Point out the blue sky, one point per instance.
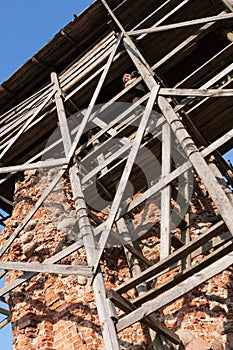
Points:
(25, 27)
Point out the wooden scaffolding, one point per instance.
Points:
(183, 52)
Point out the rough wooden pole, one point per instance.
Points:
(216, 192)
(185, 232)
(86, 232)
(141, 288)
(165, 226)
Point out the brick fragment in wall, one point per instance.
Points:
(54, 311)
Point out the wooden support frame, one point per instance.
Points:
(126, 173)
(181, 24)
(50, 95)
(174, 10)
(86, 232)
(177, 291)
(185, 140)
(64, 82)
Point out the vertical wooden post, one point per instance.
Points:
(165, 226)
(185, 233)
(102, 303)
(134, 267)
(198, 162)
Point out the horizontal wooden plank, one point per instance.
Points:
(181, 24)
(196, 92)
(48, 268)
(38, 165)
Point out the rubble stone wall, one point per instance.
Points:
(56, 312)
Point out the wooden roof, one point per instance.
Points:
(185, 57)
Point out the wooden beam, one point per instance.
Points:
(48, 268)
(205, 64)
(93, 100)
(193, 269)
(170, 260)
(135, 268)
(148, 321)
(210, 82)
(27, 276)
(201, 167)
(28, 217)
(198, 162)
(29, 166)
(24, 127)
(163, 182)
(5, 312)
(228, 4)
(181, 24)
(75, 246)
(118, 153)
(126, 173)
(169, 14)
(85, 228)
(90, 61)
(126, 241)
(3, 323)
(165, 224)
(196, 92)
(191, 39)
(25, 104)
(124, 122)
(176, 292)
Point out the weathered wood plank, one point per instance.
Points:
(161, 20)
(93, 100)
(181, 24)
(196, 92)
(173, 258)
(228, 4)
(5, 322)
(210, 82)
(176, 292)
(38, 204)
(48, 268)
(149, 321)
(127, 170)
(38, 165)
(201, 167)
(5, 312)
(165, 225)
(24, 127)
(199, 266)
(205, 64)
(198, 34)
(198, 162)
(85, 228)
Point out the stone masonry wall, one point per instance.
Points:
(56, 312)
